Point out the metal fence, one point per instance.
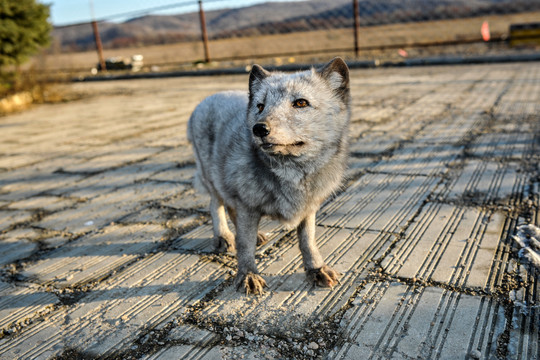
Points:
(235, 32)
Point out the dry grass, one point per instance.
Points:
(335, 41)
(20, 89)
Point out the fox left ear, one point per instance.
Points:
(336, 73)
(256, 76)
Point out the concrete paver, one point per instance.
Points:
(15, 249)
(106, 248)
(452, 245)
(484, 182)
(383, 202)
(92, 257)
(393, 320)
(20, 303)
(9, 219)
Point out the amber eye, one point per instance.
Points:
(260, 107)
(300, 103)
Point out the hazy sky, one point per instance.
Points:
(65, 12)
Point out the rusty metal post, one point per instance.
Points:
(99, 47)
(204, 34)
(356, 26)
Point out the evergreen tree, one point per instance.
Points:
(24, 28)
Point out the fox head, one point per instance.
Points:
(299, 114)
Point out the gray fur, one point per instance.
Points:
(285, 175)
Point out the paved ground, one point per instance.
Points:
(106, 251)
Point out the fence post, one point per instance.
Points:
(356, 25)
(99, 47)
(203, 33)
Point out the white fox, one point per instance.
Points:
(279, 151)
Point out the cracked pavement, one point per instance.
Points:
(106, 248)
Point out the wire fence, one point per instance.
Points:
(235, 32)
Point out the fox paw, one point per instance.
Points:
(323, 277)
(224, 244)
(261, 239)
(250, 283)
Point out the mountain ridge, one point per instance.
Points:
(275, 17)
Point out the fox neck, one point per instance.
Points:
(297, 168)
(287, 168)
(318, 176)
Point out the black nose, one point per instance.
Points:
(261, 130)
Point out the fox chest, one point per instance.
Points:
(283, 193)
(286, 202)
(286, 206)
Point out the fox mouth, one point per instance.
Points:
(293, 149)
(271, 146)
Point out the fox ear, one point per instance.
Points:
(336, 73)
(256, 76)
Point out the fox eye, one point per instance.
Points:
(260, 107)
(300, 103)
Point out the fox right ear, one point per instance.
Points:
(336, 73)
(256, 76)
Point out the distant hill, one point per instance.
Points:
(277, 17)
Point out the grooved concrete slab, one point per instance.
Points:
(514, 146)
(451, 130)
(109, 207)
(106, 249)
(484, 182)
(14, 248)
(94, 256)
(20, 303)
(375, 143)
(108, 181)
(146, 295)
(21, 184)
(112, 160)
(44, 202)
(525, 331)
(10, 218)
(453, 245)
(379, 202)
(397, 321)
(419, 159)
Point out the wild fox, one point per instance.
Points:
(280, 151)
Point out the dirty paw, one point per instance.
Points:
(224, 244)
(261, 239)
(250, 283)
(323, 277)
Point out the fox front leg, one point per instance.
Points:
(261, 238)
(317, 271)
(247, 277)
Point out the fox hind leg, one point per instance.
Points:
(223, 237)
